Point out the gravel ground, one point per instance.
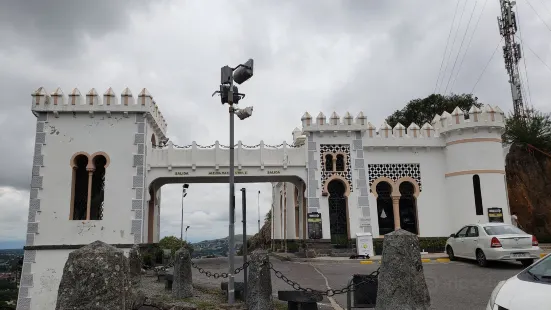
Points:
(205, 297)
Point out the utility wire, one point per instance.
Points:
(460, 46)
(545, 6)
(535, 54)
(524, 59)
(546, 25)
(486, 66)
(446, 49)
(453, 43)
(468, 45)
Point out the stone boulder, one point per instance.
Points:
(182, 285)
(402, 284)
(135, 264)
(259, 285)
(95, 277)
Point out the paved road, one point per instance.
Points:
(455, 285)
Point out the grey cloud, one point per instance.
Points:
(312, 55)
(57, 28)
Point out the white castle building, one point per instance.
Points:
(98, 169)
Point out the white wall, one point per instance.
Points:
(432, 211)
(66, 136)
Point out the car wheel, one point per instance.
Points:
(449, 251)
(481, 258)
(527, 262)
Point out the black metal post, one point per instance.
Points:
(244, 211)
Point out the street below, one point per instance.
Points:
(454, 285)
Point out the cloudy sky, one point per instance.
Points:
(310, 55)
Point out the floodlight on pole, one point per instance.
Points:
(243, 72)
(230, 94)
(244, 113)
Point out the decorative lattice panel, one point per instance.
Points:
(335, 149)
(394, 172)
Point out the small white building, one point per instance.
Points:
(100, 161)
(429, 180)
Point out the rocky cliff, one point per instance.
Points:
(529, 189)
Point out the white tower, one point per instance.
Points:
(87, 181)
(475, 176)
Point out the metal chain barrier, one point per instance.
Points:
(295, 285)
(330, 292)
(217, 275)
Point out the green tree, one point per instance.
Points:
(421, 111)
(174, 244)
(534, 129)
(268, 217)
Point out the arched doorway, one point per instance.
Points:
(408, 208)
(385, 214)
(338, 215)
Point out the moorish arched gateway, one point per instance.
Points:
(98, 169)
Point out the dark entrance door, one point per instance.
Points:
(408, 208)
(385, 214)
(338, 222)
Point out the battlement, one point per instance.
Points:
(487, 116)
(92, 103)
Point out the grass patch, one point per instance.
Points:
(279, 305)
(206, 305)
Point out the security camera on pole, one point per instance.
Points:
(230, 94)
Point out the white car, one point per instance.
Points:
(493, 242)
(529, 289)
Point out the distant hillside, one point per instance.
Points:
(216, 247)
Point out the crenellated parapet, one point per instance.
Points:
(91, 103)
(485, 117)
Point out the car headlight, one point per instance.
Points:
(493, 296)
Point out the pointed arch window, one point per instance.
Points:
(88, 186)
(339, 163)
(477, 195)
(328, 162)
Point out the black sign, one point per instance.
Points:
(495, 215)
(314, 225)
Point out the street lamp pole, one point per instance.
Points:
(229, 94)
(184, 194)
(231, 241)
(258, 205)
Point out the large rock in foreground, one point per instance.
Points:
(402, 283)
(95, 277)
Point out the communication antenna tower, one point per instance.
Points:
(511, 53)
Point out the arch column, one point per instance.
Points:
(89, 196)
(396, 211)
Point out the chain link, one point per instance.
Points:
(330, 292)
(295, 285)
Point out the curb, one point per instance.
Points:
(424, 260)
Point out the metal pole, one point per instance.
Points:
(258, 201)
(231, 237)
(244, 211)
(182, 218)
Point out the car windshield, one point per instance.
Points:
(542, 269)
(503, 230)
